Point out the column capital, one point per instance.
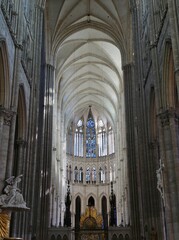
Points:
(50, 66)
(127, 66)
(7, 115)
(167, 115)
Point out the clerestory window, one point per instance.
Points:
(78, 139)
(90, 137)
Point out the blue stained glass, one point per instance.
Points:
(90, 136)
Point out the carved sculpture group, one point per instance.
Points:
(12, 197)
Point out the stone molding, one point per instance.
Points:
(157, 35)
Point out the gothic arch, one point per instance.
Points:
(121, 237)
(91, 201)
(127, 237)
(4, 76)
(65, 237)
(59, 237)
(104, 211)
(52, 237)
(21, 115)
(114, 237)
(20, 133)
(77, 211)
(169, 88)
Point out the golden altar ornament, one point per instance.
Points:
(4, 223)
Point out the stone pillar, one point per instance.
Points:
(21, 145)
(170, 157)
(1, 125)
(5, 123)
(129, 89)
(15, 87)
(34, 156)
(174, 29)
(158, 221)
(46, 158)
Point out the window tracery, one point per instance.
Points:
(90, 137)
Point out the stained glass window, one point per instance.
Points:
(102, 139)
(78, 139)
(90, 137)
(93, 177)
(111, 140)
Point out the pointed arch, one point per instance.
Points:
(104, 211)
(91, 201)
(4, 76)
(65, 237)
(169, 87)
(59, 237)
(52, 237)
(20, 133)
(114, 237)
(21, 115)
(78, 211)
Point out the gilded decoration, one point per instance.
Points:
(4, 223)
(91, 220)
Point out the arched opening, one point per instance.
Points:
(121, 237)
(169, 86)
(4, 77)
(2, 83)
(91, 202)
(53, 237)
(171, 83)
(65, 237)
(104, 212)
(78, 212)
(59, 237)
(127, 237)
(20, 134)
(114, 237)
(19, 149)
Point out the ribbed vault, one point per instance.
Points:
(89, 39)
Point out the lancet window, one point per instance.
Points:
(90, 137)
(111, 140)
(78, 139)
(102, 139)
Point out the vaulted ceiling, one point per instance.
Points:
(89, 40)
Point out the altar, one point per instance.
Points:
(91, 226)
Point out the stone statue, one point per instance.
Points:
(12, 197)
